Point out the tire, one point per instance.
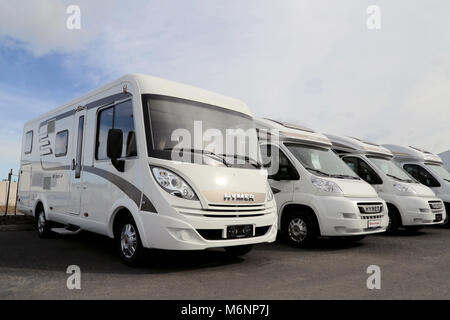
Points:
(238, 251)
(394, 220)
(128, 242)
(355, 238)
(43, 226)
(413, 228)
(299, 229)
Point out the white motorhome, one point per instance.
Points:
(316, 192)
(427, 168)
(411, 204)
(104, 163)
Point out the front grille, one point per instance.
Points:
(371, 216)
(370, 207)
(217, 234)
(232, 215)
(235, 207)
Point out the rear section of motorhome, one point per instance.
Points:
(103, 163)
(425, 167)
(411, 204)
(316, 192)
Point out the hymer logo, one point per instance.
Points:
(238, 197)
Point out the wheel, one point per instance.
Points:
(237, 251)
(128, 242)
(299, 229)
(413, 228)
(42, 225)
(355, 238)
(394, 220)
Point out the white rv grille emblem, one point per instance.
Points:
(238, 197)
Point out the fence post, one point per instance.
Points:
(7, 193)
(17, 193)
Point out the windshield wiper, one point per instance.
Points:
(253, 162)
(210, 154)
(344, 176)
(400, 179)
(318, 171)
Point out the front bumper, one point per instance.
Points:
(341, 216)
(184, 231)
(416, 211)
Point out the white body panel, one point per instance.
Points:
(92, 199)
(337, 214)
(414, 207)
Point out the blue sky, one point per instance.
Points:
(311, 62)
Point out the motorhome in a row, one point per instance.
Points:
(114, 162)
(317, 194)
(411, 205)
(103, 163)
(427, 168)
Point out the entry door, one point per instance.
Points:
(282, 174)
(76, 177)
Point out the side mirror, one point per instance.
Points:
(114, 148)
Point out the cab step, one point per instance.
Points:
(68, 229)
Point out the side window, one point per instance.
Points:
(363, 170)
(421, 175)
(120, 117)
(28, 142)
(61, 142)
(280, 168)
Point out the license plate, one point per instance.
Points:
(373, 224)
(241, 231)
(438, 217)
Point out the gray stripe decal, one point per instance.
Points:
(94, 104)
(129, 189)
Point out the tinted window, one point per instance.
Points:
(28, 142)
(421, 175)
(118, 117)
(279, 168)
(61, 141)
(363, 170)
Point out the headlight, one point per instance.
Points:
(173, 184)
(325, 185)
(403, 188)
(269, 195)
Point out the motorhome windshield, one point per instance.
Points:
(439, 171)
(391, 169)
(207, 127)
(321, 161)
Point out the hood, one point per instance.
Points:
(422, 190)
(224, 185)
(356, 188)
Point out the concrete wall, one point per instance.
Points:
(4, 190)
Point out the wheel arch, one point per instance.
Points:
(293, 208)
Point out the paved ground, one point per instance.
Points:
(412, 266)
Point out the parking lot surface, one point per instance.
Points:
(413, 266)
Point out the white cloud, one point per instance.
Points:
(312, 62)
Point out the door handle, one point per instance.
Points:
(73, 165)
